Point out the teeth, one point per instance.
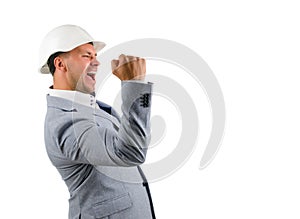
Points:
(92, 73)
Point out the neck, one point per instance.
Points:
(59, 82)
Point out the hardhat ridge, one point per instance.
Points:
(63, 39)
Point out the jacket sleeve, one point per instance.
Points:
(86, 141)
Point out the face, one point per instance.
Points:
(81, 68)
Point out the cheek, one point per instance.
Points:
(77, 68)
(82, 68)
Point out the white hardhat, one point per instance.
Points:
(63, 39)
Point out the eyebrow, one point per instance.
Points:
(89, 53)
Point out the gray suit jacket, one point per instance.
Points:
(97, 154)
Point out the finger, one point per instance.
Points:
(143, 65)
(131, 58)
(126, 58)
(122, 56)
(114, 64)
(141, 61)
(122, 59)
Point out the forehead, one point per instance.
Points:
(85, 48)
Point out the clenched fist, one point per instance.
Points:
(129, 67)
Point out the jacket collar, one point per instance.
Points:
(104, 110)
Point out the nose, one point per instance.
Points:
(95, 62)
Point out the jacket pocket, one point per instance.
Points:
(112, 206)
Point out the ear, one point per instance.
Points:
(59, 63)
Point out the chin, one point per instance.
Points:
(86, 90)
(91, 90)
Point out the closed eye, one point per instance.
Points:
(89, 55)
(86, 56)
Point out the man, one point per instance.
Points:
(96, 152)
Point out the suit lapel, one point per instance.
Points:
(108, 113)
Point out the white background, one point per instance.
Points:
(253, 47)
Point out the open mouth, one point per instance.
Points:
(92, 75)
